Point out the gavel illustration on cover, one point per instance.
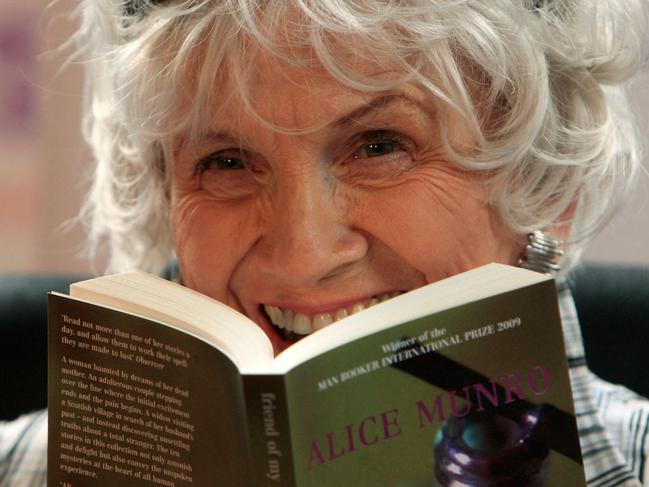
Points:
(493, 446)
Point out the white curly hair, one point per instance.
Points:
(562, 140)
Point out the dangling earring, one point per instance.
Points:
(542, 253)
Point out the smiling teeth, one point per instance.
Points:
(302, 324)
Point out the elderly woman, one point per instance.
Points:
(310, 155)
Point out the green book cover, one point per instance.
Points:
(470, 394)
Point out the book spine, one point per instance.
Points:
(269, 434)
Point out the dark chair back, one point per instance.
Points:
(23, 341)
(613, 306)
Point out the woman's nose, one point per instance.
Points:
(309, 237)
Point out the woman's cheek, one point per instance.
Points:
(194, 242)
(434, 218)
(212, 237)
(185, 211)
(427, 196)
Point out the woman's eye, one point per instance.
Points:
(220, 162)
(229, 163)
(231, 173)
(379, 143)
(378, 156)
(378, 148)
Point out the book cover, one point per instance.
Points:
(477, 394)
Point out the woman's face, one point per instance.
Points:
(302, 229)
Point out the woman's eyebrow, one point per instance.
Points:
(376, 105)
(218, 136)
(187, 142)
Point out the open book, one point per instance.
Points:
(463, 380)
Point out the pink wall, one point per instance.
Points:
(42, 158)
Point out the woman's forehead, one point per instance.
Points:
(298, 98)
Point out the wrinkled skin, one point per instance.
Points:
(366, 202)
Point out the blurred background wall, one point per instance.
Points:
(43, 162)
(44, 166)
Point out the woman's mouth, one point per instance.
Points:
(293, 324)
